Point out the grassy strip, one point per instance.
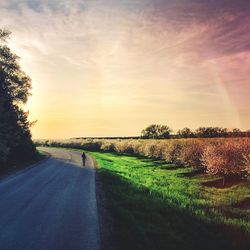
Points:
(39, 157)
(156, 206)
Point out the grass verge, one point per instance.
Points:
(156, 205)
(11, 169)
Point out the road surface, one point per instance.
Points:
(51, 206)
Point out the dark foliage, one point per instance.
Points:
(15, 138)
(156, 131)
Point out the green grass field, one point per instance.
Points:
(156, 205)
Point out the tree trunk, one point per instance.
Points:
(223, 181)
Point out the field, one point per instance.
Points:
(227, 157)
(174, 194)
(156, 205)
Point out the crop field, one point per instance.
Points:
(181, 193)
(157, 205)
(226, 157)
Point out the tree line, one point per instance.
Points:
(156, 131)
(15, 137)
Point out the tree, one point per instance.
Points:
(235, 132)
(16, 144)
(156, 131)
(186, 133)
(228, 158)
(210, 132)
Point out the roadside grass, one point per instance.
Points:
(156, 205)
(39, 156)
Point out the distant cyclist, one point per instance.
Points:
(83, 158)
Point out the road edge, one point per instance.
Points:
(26, 168)
(104, 217)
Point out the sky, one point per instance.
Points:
(112, 67)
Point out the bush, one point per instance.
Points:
(192, 151)
(171, 151)
(222, 156)
(227, 158)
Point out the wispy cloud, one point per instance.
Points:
(160, 61)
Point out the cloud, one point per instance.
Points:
(139, 56)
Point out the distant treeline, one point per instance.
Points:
(211, 132)
(108, 137)
(156, 131)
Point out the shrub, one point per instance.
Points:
(171, 151)
(227, 158)
(223, 156)
(191, 153)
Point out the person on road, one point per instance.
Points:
(83, 158)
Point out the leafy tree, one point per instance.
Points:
(156, 131)
(228, 158)
(15, 138)
(236, 132)
(186, 133)
(210, 132)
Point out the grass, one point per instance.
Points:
(38, 157)
(156, 205)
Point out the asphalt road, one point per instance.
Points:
(50, 206)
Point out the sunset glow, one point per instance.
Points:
(110, 68)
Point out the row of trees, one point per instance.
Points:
(15, 138)
(226, 157)
(156, 131)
